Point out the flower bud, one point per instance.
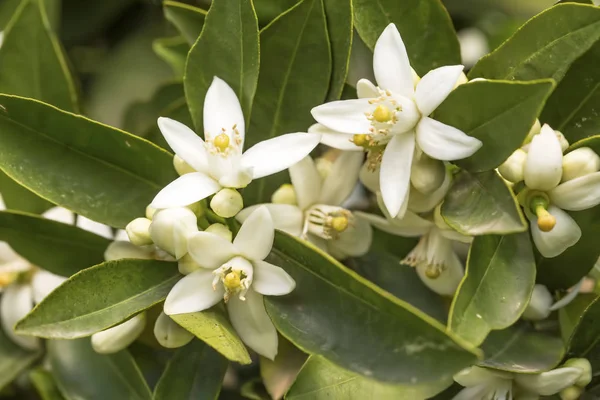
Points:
(284, 195)
(564, 143)
(324, 166)
(120, 336)
(169, 334)
(571, 393)
(586, 370)
(534, 130)
(462, 79)
(539, 304)
(473, 45)
(150, 211)
(181, 166)
(580, 162)
(187, 265)
(138, 231)
(221, 230)
(427, 174)
(512, 169)
(120, 249)
(170, 229)
(227, 203)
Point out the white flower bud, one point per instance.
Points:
(150, 211)
(586, 370)
(539, 304)
(119, 337)
(138, 231)
(221, 230)
(427, 174)
(169, 334)
(473, 45)
(227, 203)
(170, 229)
(122, 249)
(513, 168)
(462, 79)
(535, 129)
(564, 143)
(324, 165)
(571, 393)
(284, 195)
(181, 166)
(187, 265)
(580, 162)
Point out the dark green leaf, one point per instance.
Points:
(45, 385)
(195, 372)
(16, 197)
(425, 27)
(482, 204)
(341, 316)
(100, 297)
(268, 10)
(81, 373)
(254, 390)
(499, 113)
(231, 54)
(13, 359)
(100, 172)
(570, 315)
(584, 340)
(340, 29)
(213, 327)
(187, 19)
(7, 9)
(495, 291)
(173, 51)
(545, 47)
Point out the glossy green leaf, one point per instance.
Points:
(213, 327)
(16, 197)
(425, 27)
(100, 297)
(279, 374)
(59, 248)
(13, 359)
(496, 288)
(335, 313)
(254, 390)
(195, 372)
(584, 340)
(81, 373)
(7, 9)
(499, 113)
(189, 20)
(231, 54)
(570, 315)
(100, 172)
(545, 47)
(320, 379)
(268, 10)
(45, 384)
(295, 73)
(521, 349)
(340, 29)
(482, 204)
(173, 51)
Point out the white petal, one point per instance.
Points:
(448, 281)
(411, 225)
(185, 143)
(365, 89)
(550, 382)
(345, 116)
(222, 110)
(286, 217)
(435, 86)
(565, 234)
(394, 176)
(185, 190)
(543, 168)
(193, 293)
(369, 178)
(44, 282)
(353, 242)
(94, 227)
(342, 178)
(169, 334)
(306, 181)
(390, 63)
(254, 240)
(274, 155)
(210, 250)
(60, 214)
(16, 302)
(577, 194)
(569, 297)
(334, 139)
(253, 325)
(120, 336)
(444, 142)
(271, 280)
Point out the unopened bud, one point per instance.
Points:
(586, 370)
(227, 203)
(187, 265)
(169, 334)
(170, 229)
(119, 337)
(138, 231)
(181, 166)
(580, 162)
(150, 211)
(539, 304)
(462, 79)
(564, 143)
(571, 393)
(427, 174)
(221, 230)
(512, 169)
(284, 195)
(535, 129)
(120, 249)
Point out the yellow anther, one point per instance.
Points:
(361, 140)
(339, 224)
(221, 142)
(546, 221)
(382, 114)
(232, 280)
(7, 278)
(432, 273)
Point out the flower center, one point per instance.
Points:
(236, 277)
(361, 140)
(233, 280)
(221, 142)
(433, 251)
(545, 221)
(225, 142)
(382, 114)
(327, 222)
(339, 224)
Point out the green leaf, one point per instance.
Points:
(13, 359)
(213, 327)
(499, 113)
(187, 19)
(340, 29)
(574, 106)
(45, 385)
(59, 248)
(81, 373)
(496, 288)
(195, 372)
(16, 197)
(173, 51)
(100, 297)
(482, 204)
(94, 170)
(268, 10)
(570, 315)
(335, 313)
(520, 349)
(294, 77)
(545, 47)
(425, 26)
(584, 340)
(319, 379)
(231, 54)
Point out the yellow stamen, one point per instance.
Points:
(7, 278)
(361, 140)
(232, 280)
(382, 114)
(546, 221)
(221, 142)
(339, 224)
(432, 273)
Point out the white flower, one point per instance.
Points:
(542, 304)
(170, 229)
(317, 215)
(218, 161)
(237, 273)
(118, 337)
(388, 120)
(473, 45)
